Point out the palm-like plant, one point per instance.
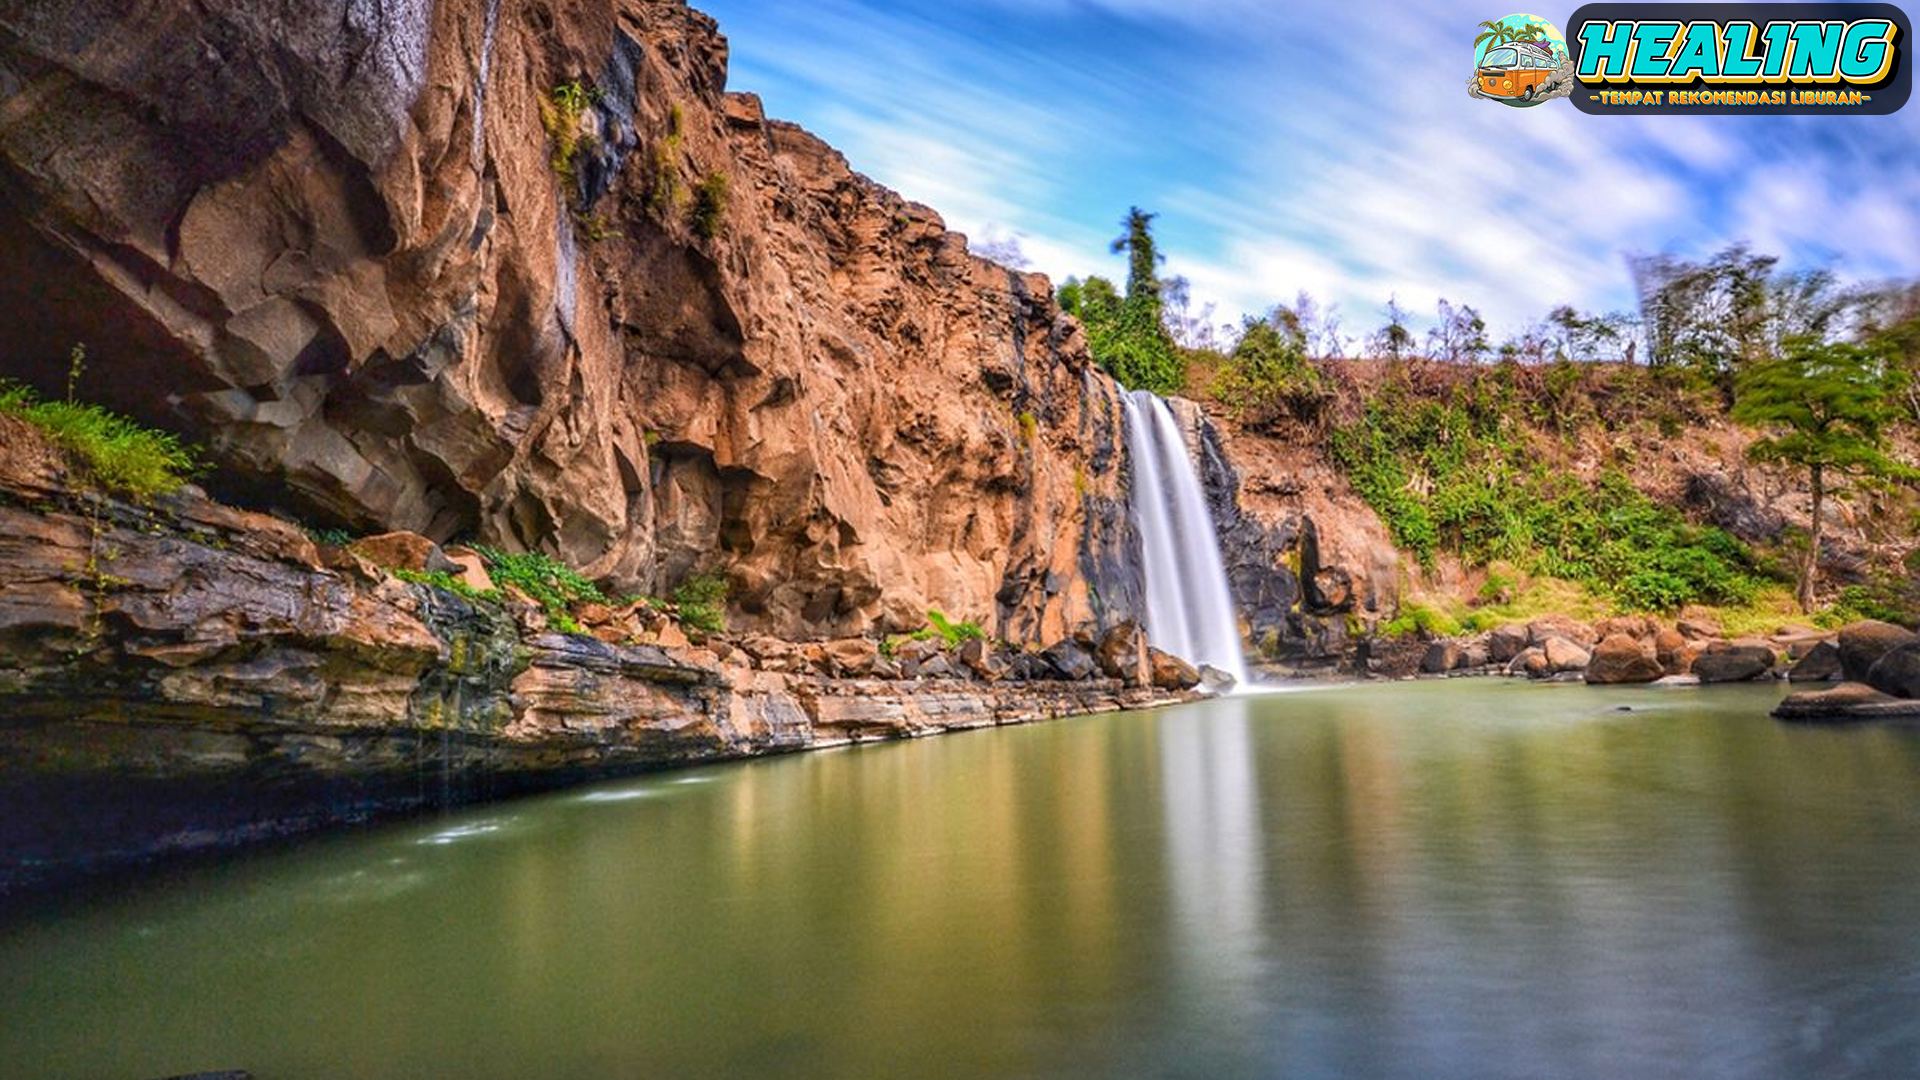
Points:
(1498, 33)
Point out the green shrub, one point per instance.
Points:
(119, 454)
(1418, 618)
(440, 579)
(560, 114)
(1456, 476)
(710, 197)
(1267, 376)
(949, 633)
(546, 581)
(701, 601)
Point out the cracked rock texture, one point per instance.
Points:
(328, 241)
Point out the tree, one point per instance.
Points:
(1830, 404)
(1460, 335)
(1130, 338)
(1393, 340)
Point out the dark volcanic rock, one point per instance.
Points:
(1850, 702)
(1723, 662)
(1072, 660)
(1442, 657)
(1897, 672)
(1863, 643)
(1820, 664)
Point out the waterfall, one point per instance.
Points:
(1189, 609)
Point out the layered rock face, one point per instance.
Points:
(340, 245)
(183, 675)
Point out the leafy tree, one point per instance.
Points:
(1267, 375)
(1393, 340)
(1128, 334)
(1460, 335)
(1831, 404)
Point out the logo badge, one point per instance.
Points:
(1521, 60)
(1732, 58)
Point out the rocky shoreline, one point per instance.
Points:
(184, 676)
(1867, 670)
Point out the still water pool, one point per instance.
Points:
(1474, 879)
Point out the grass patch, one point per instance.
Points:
(701, 602)
(560, 113)
(440, 579)
(710, 198)
(121, 455)
(552, 584)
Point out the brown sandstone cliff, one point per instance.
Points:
(330, 243)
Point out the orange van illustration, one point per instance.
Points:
(1518, 69)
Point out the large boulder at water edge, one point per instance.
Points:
(1215, 681)
(1442, 657)
(1506, 642)
(1169, 672)
(1863, 643)
(1122, 654)
(1898, 672)
(1725, 662)
(1850, 702)
(979, 657)
(1622, 659)
(1564, 656)
(1821, 664)
(853, 658)
(1072, 660)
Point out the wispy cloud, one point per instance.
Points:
(1329, 147)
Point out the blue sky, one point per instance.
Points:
(1322, 146)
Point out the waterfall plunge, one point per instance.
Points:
(1189, 609)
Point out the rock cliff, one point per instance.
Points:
(528, 274)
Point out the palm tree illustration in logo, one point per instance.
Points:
(1520, 60)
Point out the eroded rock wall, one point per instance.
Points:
(329, 242)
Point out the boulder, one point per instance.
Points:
(1670, 649)
(936, 666)
(1122, 654)
(1442, 657)
(1724, 662)
(1898, 672)
(978, 656)
(470, 568)
(1563, 655)
(1394, 658)
(1820, 664)
(1850, 702)
(1532, 662)
(1475, 655)
(915, 650)
(1698, 627)
(1863, 643)
(1620, 658)
(1540, 630)
(1637, 627)
(403, 551)
(1506, 642)
(1072, 660)
(1215, 681)
(1028, 667)
(1169, 672)
(851, 658)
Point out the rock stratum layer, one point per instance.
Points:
(527, 273)
(186, 676)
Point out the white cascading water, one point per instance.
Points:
(1189, 608)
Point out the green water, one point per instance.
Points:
(1467, 879)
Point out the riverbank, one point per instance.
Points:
(181, 676)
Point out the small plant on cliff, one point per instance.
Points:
(710, 198)
(667, 191)
(440, 579)
(546, 581)
(560, 113)
(119, 454)
(950, 634)
(701, 601)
